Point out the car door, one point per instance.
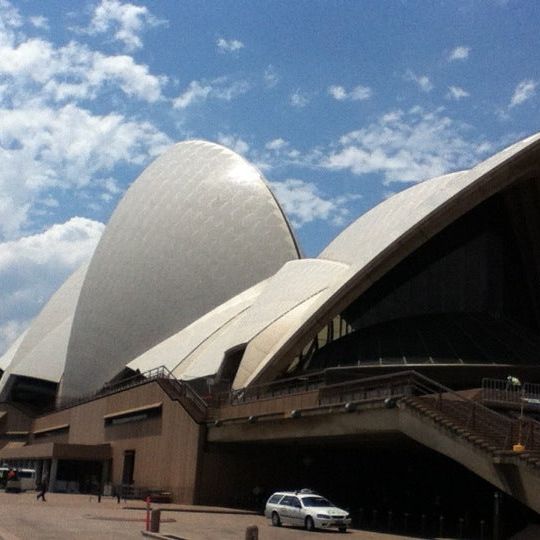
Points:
(297, 515)
(286, 510)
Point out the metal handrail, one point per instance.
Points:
(138, 379)
(503, 390)
(184, 389)
(282, 387)
(498, 428)
(415, 384)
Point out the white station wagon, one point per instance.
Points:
(305, 509)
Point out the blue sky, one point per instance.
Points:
(339, 103)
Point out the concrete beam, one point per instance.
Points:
(512, 477)
(335, 424)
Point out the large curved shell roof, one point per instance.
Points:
(384, 236)
(197, 227)
(40, 352)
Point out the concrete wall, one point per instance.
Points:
(15, 420)
(166, 446)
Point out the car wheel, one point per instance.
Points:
(343, 529)
(276, 522)
(310, 525)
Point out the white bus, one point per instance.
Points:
(25, 480)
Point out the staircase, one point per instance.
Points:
(480, 438)
(186, 396)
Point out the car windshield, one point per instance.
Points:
(316, 501)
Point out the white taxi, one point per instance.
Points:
(305, 509)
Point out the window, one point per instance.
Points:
(51, 432)
(133, 415)
(316, 501)
(274, 499)
(129, 467)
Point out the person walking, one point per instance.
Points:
(43, 489)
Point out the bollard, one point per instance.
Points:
(423, 524)
(441, 525)
(154, 521)
(482, 529)
(497, 516)
(461, 523)
(390, 515)
(252, 533)
(406, 521)
(147, 500)
(374, 519)
(360, 517)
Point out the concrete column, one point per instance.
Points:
(52, 474)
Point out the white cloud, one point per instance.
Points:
(271, 77)
(234, 143)
(33, 267)
(423, 81)
(10, 21)
(358, 93)
(229, 91)
(45, 148)
(337, 92)
(40, 22)
(303, 203)
(193, 93)
(125, 20)
(298, 99)
(48, 141)
(456, 93)
(524, 90)
(276, 144)
(221, 88)
(459, 53)
(406, 146)
(228, 45)
(73, 72)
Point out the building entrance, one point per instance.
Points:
(393, 485)
(79, 476)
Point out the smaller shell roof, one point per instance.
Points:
(199, 350)
(288, 294)
(287, 291)
(7, 357)
(174, 351)
(41, 351)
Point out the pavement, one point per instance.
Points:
(67, 517)
(81, 517)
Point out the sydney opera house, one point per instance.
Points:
(200, 355)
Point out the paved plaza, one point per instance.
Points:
(81, 517)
